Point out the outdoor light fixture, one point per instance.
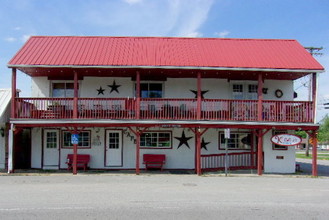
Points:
(2, 132)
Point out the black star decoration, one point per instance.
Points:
(196, 93)
(183, 140)
(114, 87)
(204, 144)
(100, 91)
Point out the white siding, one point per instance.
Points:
(36, 147)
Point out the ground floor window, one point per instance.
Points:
(84, 139)
(156, 140)
(279, 147)
(237, 141)
(51, 139)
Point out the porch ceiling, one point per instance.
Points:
(157, 73)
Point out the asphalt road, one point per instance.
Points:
(306, 166)
(126, 196)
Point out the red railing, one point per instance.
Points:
(288, 111)
(236, 161)
(164, 109)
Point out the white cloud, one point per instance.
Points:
(131, 2)
(10, 39)
(194, 34)
(222, 34)
(17, 28)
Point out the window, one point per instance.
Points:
(51, 139)
(114, 140)
(84, 139)
(252, 92)
(237, 141)
(279, 147)
(156, 140)
(237, 91)
(151, 90)
(63, 89)
(245, 91)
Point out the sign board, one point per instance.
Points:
(227, 133)
(74, 139)
(286, 139)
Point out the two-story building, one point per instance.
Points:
(130, 96)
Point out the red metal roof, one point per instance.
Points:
(164, 52)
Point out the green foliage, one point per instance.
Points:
(301, 134)
(323, 135)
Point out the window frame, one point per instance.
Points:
(220, 133)
(148, 83)
(275, 146)
(245, 94)
(150, 147)
(65, 82)
(79, 147)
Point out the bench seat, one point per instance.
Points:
(154, 161)
(82, 161)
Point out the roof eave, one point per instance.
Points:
(172, 67)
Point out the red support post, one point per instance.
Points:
(260, 98)
(75, 99)
(138, 93)
(314, 83)
(314, 155)
(198, 151)
(260, 153)
(13, 93)
(252, 149)
(199, 104)
(138, 134)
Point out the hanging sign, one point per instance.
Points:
(74, 139)
(286, 139)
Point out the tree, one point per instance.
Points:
(323, 135)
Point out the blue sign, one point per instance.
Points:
(74, 139)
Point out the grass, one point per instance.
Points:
(321, 156)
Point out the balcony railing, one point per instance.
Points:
(164, 109)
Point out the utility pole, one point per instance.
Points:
(314, 51)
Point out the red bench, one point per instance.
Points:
(82, 161)
(154, 161)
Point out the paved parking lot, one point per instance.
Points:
(162, 196)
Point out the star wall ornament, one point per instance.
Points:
(204, 144)
(183, 140)
(202, 93)
(114, 87)
(100, 91)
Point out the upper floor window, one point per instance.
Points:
(151, 90)
(62, 89)
(245, 91)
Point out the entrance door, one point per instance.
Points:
(51, 149)
(113, 148)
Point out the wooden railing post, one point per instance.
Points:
(260, 98)
(138, 93)
(75, 99)
(314, 93)
(13, 93)
(199, 100)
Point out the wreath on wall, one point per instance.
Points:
(278, 93)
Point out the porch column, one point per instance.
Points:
(260, 153)
(11, 149)
(138, 92)
(138, 135)
(75, 99)
(199, 104)
(13, 93)
(198, 150)
(314, 154)
(75, 155)
(314, 93)
(260, 98)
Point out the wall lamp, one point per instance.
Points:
(2, 132)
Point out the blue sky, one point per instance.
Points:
(304, 20)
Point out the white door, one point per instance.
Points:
(51, 149)
(113, 148)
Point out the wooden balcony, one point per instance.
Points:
(163, 109)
